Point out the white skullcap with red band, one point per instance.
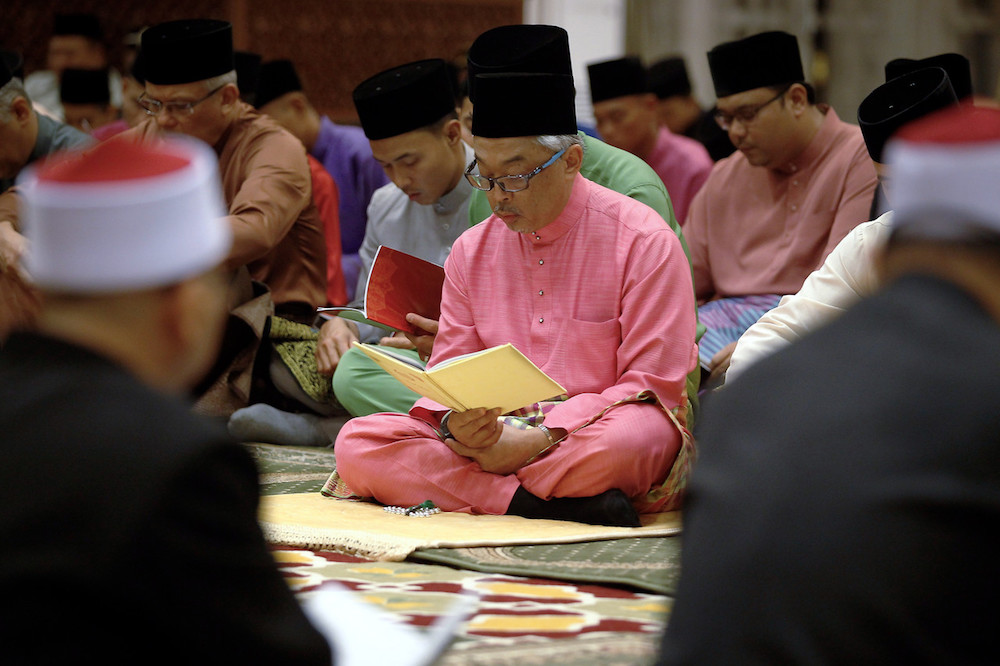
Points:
(124, 216)
(945, 177)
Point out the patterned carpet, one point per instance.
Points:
(517, 619)
(587, 604)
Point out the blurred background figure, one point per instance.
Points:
(247, 74)
(25, 136)
(342, 149)
(680, 112)
(626, 114)
(86, 99)
(326, 193)
(77, 42)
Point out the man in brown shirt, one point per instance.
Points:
(191, 89)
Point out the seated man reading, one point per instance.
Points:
(595, 290)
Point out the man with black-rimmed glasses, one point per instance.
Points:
(277, 234)
(768, 215)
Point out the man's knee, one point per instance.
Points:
(367, 438)
(633, 450)
(350, 446)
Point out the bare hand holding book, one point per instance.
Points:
(398, 284)
(496, 377)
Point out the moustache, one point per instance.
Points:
(507, 209)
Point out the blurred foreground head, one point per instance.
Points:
(124, 242)
(945, 172)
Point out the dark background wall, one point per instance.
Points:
(335, 44)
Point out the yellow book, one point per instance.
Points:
(496, 377)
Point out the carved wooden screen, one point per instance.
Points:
(335, 43)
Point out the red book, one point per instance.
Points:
(398, 283)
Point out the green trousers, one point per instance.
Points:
(363, 388)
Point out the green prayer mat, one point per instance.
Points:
(651, 564)
(285, 470)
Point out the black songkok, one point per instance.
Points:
(616, 78)
(404, 98)
(669, 78)
(5, 74)
(83, 25)
(900, 101)
(247, 72)
(759, 61)
(517, 104)
(276, 78)
(533, 49)
(85, 86)
(186, 51)
(11, 64)
(957, 66)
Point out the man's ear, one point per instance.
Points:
(798, 97)
(297, 100)
(22, 110)
(230, 94)
(452, 131)
(173, 314)
(185, 308)
(574, 159)
(650, 101)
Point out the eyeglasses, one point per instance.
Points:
(152, 107)
(507, 183)
(744, 114)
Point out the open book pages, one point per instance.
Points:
(354, 314)
(360, 634)
(500, 376)
(398, 283)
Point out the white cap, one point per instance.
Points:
(124, 216)
(945, 174)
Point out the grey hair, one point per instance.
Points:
(558, 142)
(9, 92)
(220, 80)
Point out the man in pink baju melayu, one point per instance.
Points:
(595, 290)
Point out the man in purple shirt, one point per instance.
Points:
(342, 149)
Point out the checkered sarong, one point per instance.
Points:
(726, 319)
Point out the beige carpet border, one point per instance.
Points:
(313, 521)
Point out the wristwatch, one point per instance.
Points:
(445, 433)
